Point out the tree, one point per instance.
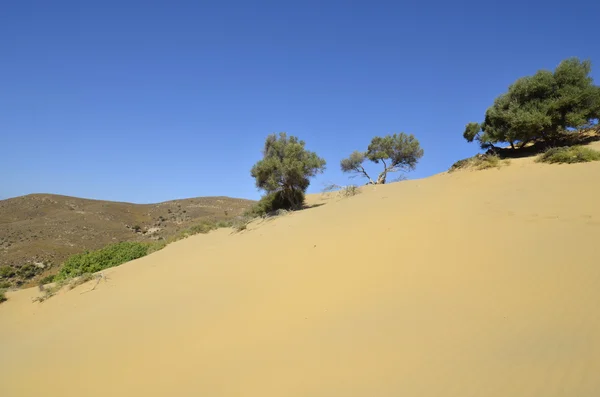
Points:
(398, 152)
(540, 107)
(286, 168)
(354, 164)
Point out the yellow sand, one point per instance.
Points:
(483, 283)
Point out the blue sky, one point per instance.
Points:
(146, 101)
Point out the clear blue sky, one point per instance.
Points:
(146, 101)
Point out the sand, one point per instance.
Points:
(483, 283)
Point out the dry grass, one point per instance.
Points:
(479, 162)
(569, 155)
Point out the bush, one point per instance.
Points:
(345, 191)
(27, 271)
(47, 280)
(270, 203)
(479, 162)
(223, 224)
(350, 190)
(201, 228)
(3, 297)
(7, 272)
(569, 155)
(94, 261)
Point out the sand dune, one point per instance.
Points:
(479, 283)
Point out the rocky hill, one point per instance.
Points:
(44, 229)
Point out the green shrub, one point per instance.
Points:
(7, 272)
(272, 202)
(5, 284)
(203, 228)
(569, 155)
(3, 297)
(224, 224)
(94, 261)
(27, 271)
(47, 280)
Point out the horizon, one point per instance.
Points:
(138, 103)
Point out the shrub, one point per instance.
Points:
(84, 278)
(478, 162)
(223, 224)
(346, 191)
(569, 155)
(272, 202)
(7, 272)
(350, 190)
(47, 280)
(94, 261)
(201, 228)
(3, 297)
(27, 271)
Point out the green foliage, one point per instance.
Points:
(286, 169)
(5, 284)
(27, 271)
(401, 149)
(223, 224)
(471, 131)
(94, 261)
(540, 107)
(47, 280)
(272, 202)
(569, 155)
(397, 152)
(7, 272)
(3, 297)
(203, 228)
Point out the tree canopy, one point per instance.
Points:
(285, 170)
(397, 152)
(540, 107)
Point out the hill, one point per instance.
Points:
(471, 283)
(44, 229)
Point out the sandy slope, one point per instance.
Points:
(470, 284)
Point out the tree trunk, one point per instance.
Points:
(512, 145)
(523, 144)
(362, 170)
(381, 178)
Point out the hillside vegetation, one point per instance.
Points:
(40, 231)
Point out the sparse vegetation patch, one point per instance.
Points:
(94, 261)
(569, 155)
(479, 162)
